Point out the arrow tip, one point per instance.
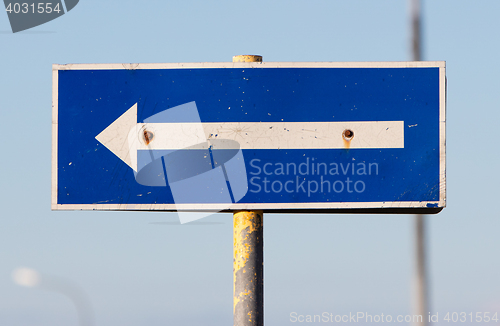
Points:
(115, 137)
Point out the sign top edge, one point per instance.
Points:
(201, 65)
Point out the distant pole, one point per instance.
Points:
(420, 306)
(416, 40)
(420, 275)
(248, 260)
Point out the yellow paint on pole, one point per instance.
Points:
(245, 223)
(248, 266)
(248, 246)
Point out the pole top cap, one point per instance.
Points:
(247, 58)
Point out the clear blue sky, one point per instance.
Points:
(138, 268)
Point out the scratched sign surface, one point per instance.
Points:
(299, 137)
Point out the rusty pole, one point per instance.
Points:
(420, 307)
(248, 259)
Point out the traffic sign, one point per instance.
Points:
(301, 137)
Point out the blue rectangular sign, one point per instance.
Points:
(301, 137)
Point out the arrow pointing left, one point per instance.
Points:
(180, 128)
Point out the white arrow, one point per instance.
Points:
(124, 137)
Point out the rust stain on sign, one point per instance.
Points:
(147, 136)
(347, 136)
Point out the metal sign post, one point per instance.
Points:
(248, 260)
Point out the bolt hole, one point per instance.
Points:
(147, 136)
(348, 134)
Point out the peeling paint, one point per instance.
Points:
(248, 268)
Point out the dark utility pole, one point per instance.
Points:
(420, 307)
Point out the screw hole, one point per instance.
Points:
(348, 134)
(147, 136)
